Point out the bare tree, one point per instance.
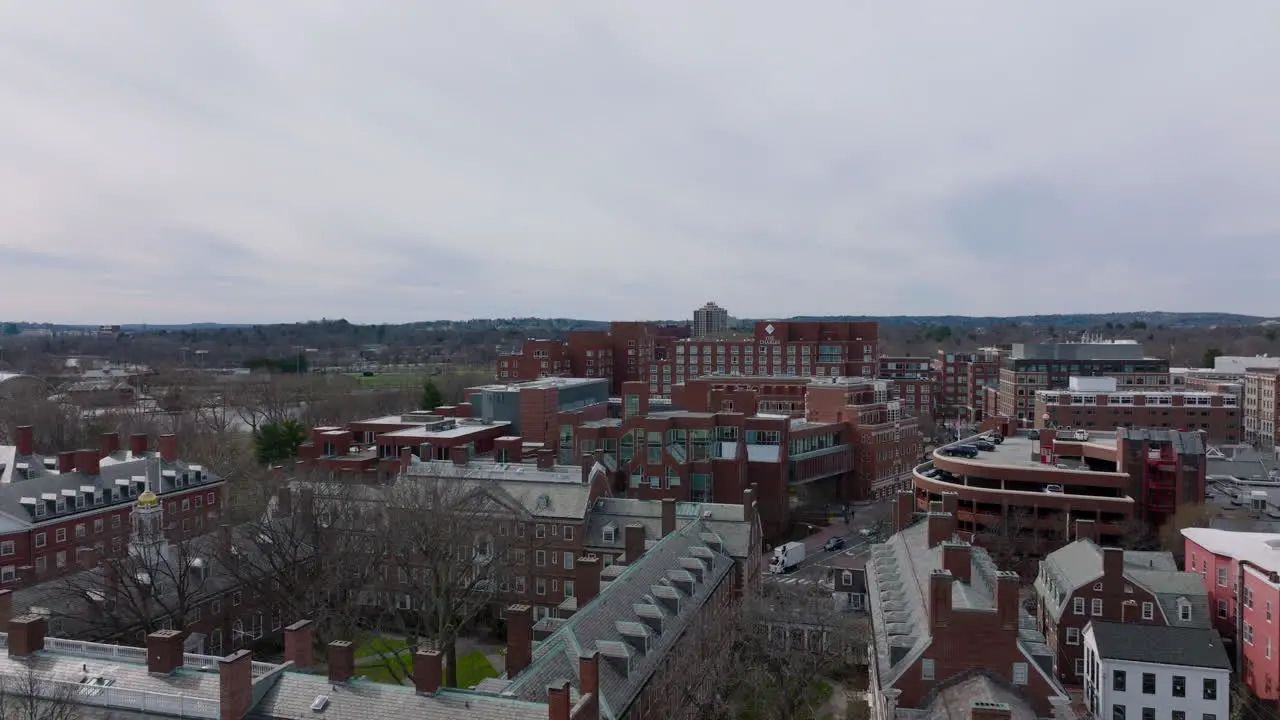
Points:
(27, 695)
(770, 658)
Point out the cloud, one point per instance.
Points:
(392, 161)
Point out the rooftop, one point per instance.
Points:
(541, 384)
(1079, 563)
(1180, 646)
(461, 428)
(728, 521)
(1022, 451)
(1261, 549)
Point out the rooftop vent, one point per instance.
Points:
(320, 703)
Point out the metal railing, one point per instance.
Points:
(96, 650)
(175, 705)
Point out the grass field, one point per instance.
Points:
(472, 668)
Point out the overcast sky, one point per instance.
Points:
(390, 161)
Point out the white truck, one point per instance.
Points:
(786, 557)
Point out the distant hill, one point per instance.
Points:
(1149, 319)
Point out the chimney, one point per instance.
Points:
(25, 439)
(1113, 563)
(164, 651)
(6, 607)
(559, 705)
(904, 509)
(169, 448)
(519, 639)
(428, 671)
(406, 457)
(110, 443)
(1007, 599)
(1086, 530)
(342, 661)
(66, 461)
(458, 454)
(941, 527)
(235, 685)
(950, 503)
(26, 635)
(588, 464)
(749, 504)
(957, 560)
(138, 444)
(983, 710)
(668, 516)
(87, 462)
(633, 542)
(299, 644)
(586, 580)
(546, 459)
(940, 598)
(284, 502)
(588, 687)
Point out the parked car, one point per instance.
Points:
(967, 451)
(985, 445)
(835, 543)
(1055, 489)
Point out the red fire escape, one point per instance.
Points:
(1160, 481)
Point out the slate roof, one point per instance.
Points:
(1079, 563)
(727, 521)
(957, 697)
(623, 616)
(897, 588)
(1183, 646)
(557, 492)
(292, 694)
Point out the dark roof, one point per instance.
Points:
(1185, 443)
(1188, 647)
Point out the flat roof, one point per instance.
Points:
(1022, 451)
(461, 430)
(556, 382)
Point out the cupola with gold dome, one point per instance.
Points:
(148, 499)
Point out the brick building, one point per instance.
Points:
(665, 357)
(916, 382)
(960, 379)
(1095, 403)
(1029, 368)
(1082, 583)
(60, 509)
(710, 320)
(1262, 407)
(949, 629)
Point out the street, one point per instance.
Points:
(816, 562)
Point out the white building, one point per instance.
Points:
(1147, 672)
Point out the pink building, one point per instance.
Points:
(1241, 572)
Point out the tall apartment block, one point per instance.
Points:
(663, 357)
(916, 382)
(710, 320)
(960, 380)
(1262, 407)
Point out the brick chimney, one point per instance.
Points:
(458, 454)
(110, 443)
(6, 607)
(586, 581)
(66, 461)
(633, 542)
(235, 685)
(428, 671)
(164, 651)
(957, 559)
(508, 448)
(1113, 564)
(546, 459)
(940, 598)
(519, 639)
(138, 444)
(904, 509)
(950, 502)
(342, 661)
(406, 457)
(26, 635)
(25, 439)
(588, 687)
(1007, 599)
(668, 516)
(942, 526)
(1086, 530)
(983, 710)
(749, 504)
(559, 704)
(87, 462)
(299, 644)
(169, 447)
(588, 464)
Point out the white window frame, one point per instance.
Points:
(1148, 611)
(1073, 636)
(1020, 673)
(1077, 606)
(1095, 607)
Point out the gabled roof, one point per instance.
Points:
(1185, 647)
(1077, 564)
(665, 588)
(725, 520)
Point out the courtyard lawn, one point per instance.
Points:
(384, 646)
(474, 667)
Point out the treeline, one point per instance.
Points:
(283, 365)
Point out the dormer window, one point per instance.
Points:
(611, 533)
(1184, 610)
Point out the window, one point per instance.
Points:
(61, 558)
(41, 564)
(97, 525)
(1184, 611)
(1148, 610)
(1079, 666)
(568, 561)
(1118, 680)
(1179, 686)
(217, 607)
(1268, 611)
(1179, 715)
(235, 598)
(926, 669)
(540, 531)
(1117, 712)
(1222, 609)
(1210, 689)
(540, 586)
(1268, 647)
(1073, 636)
(6, 547)
(1222, 577)
(1148, 713)
(568, 588)
(40, 540)
(115, 521)
(568, 532)
(1148, 683)
(186, 504)
(540, 558)
(1019, 673)
(1095, 607)
(8, 573)
(1248, 634)
(209, 498)
(60, 535)
(1077, 606)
